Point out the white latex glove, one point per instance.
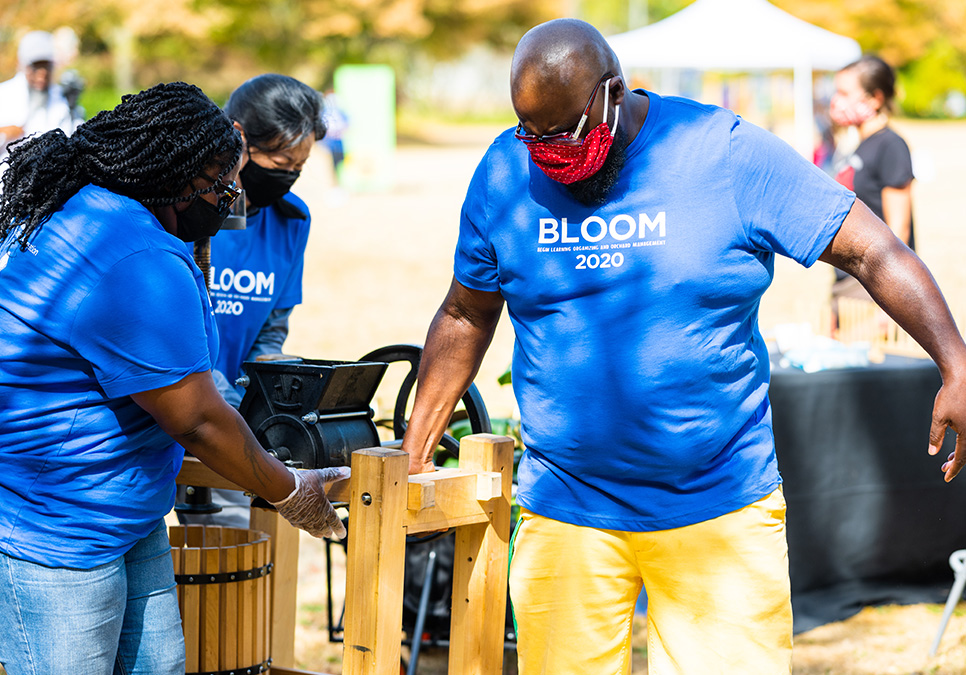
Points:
(308, 508)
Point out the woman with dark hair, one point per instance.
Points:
(879, 170)
(107, 343)
(256, 272)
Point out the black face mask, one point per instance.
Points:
(266, 186)
(201, 219)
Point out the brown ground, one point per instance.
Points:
(379, 264)
(888, 640)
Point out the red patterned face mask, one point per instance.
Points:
(574, 162)
(570, 163)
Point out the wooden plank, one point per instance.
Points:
(194, 472)
(267, 589)
(213, 536)
(195, 536)
(191, 618)
(246, 608)
(228, 634)
(422, 493)
(376, 560)
(176, 536)
(260, 610)
(455, 501)
(211, 601)
(339, 491)
(284, 547)
(478, 618)
(176, 558)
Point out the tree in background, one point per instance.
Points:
(129, 44)
(925, 40)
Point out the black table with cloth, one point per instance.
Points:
(870, 519)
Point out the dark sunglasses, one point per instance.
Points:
(564, 137)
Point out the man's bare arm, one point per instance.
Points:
(458, 338)
(901, 284)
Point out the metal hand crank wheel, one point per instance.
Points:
(475, 408)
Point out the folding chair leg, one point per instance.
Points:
(958, 562)
(417, 640)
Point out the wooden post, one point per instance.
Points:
(478, 620)
(284, 583)
(375, 565)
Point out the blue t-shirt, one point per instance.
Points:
(638, 366)
(254, 271)
(103, 304)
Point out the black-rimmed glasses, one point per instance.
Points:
(565, 137)
(227, 193)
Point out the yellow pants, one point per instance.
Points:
(718, 595)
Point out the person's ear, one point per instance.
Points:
(617, 90)
(242, 132)
(244, 155)
(880, 97)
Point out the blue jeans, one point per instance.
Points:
(115, 619)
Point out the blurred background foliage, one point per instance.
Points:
(125, 45)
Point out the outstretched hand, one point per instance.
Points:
(308, 507)
(949, 412)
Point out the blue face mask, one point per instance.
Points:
(201, 219)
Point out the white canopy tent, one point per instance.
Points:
(741, 35)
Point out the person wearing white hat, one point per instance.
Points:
(30, 102)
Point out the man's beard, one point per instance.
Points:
(595, 190)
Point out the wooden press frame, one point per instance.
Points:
(385, 504)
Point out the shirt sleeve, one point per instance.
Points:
(291, 294)
(475, 262)
(272, 335)
(895, 163)
(142, 326)
(787, 205)
(232, 394)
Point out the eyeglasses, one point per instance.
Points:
(226, 193)
(565, 137)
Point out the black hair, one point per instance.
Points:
(276, 111)
(875, 75)
(149, 148)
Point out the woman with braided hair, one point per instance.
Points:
(106, 346)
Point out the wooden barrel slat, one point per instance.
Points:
(176, 559)
(246, 607)
(211, 601)
(195, 536)
(191, 619)
(259, 635)
(228, 638)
